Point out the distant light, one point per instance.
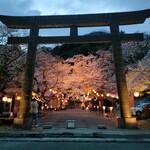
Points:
(33, 94)
(104, 107)
(5, 99)
(107, 94)
(136, 94)
(102, 95)
(18, 97)
(9, 100)
(42, 107)
(97, 94)
(94, 91)
(110, 108)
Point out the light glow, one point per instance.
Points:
(5, 99)
(136, 94)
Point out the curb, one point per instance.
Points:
(74, 134)
(93, 140)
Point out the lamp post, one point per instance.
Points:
(9, 100)
(104, 107)
(111, 109)
(4, 99)
(42, 108)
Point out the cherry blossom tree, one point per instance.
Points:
(12, 60)
(80, 73)
(47, 72)
(138, 72)
(89, 72)
(139, 75)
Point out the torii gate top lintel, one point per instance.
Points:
(85, 20)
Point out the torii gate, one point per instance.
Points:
(113, 20)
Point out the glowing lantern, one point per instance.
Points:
(136, 94)
(18, 98)
(5, 99)
(9, 100)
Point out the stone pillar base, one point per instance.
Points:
(18, 122)
(127, 123)
(25, 123)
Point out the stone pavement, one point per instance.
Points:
(54, 127)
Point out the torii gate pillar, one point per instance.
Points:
(126, 120)
(23, 116)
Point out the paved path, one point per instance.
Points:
(86, 129)
(84, 119)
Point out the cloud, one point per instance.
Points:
(17, 7)
(33, 13)
(51, 7)
(61, 7)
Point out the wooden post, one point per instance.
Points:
(73, 31)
